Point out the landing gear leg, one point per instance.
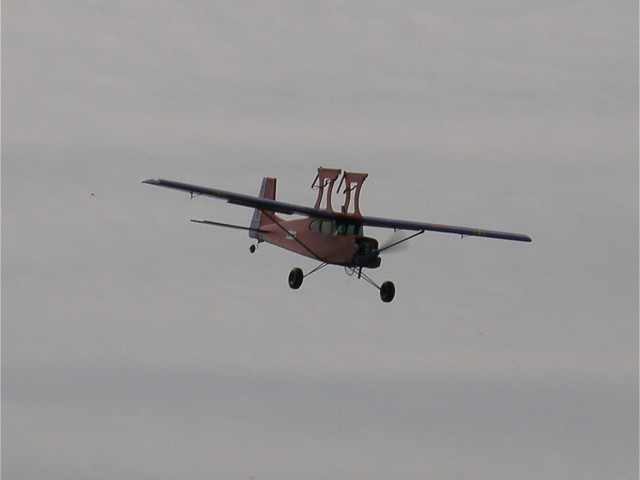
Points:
(297, 275)
(387, 289)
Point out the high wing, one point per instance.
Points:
(436, 227)
(244, 200)
(291, 208)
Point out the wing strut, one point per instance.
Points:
(228, 225)
(274, 219)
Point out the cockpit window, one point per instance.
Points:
(349, 228)
(330, 227)
(314, 226)
(327, 227)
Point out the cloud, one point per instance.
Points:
(138, 344)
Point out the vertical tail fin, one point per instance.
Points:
(267, 190)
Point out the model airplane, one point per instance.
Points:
(329, 236)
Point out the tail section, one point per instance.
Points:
(260, 219)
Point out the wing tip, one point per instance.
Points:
(517, 237)
(524, 238)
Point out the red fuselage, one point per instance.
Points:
(338, 242)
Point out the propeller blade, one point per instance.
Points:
(396, 242)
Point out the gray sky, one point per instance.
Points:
(138, 345)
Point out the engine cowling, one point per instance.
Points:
(366, 253)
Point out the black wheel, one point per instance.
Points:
(295, 278)
(252, 249)
(387, 291)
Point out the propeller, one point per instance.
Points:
(368, 255)
(396, 242)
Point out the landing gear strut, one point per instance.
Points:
(296, 275)
(387, 289)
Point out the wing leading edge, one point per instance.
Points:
(436, 227)
(291, 208)
(240, 199)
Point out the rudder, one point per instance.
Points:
(267, 190)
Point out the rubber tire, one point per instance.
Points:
(387, 291)
(295, 278)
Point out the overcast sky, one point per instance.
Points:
(136, 344)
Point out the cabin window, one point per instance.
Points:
(314, 226)
(327, 227)
(330, 227)
(349, 228)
